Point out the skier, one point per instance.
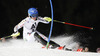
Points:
(30, 24)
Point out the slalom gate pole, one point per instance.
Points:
(51, 24)
(73, 24)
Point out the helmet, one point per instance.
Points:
(32, 12)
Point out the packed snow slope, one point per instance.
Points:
(22, 48)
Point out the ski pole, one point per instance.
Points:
(12, 35)
(5, 37)
(73, 24)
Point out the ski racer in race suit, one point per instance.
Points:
(30, 24)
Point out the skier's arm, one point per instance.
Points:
(45, 19)
(20, 25)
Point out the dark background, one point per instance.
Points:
(81, 12)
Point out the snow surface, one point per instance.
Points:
(21, 48)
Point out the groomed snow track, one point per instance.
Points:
(21, 48)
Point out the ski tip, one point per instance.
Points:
(92, 28)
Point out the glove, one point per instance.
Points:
(15, 34)
(47, 19)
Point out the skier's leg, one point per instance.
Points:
(39, 38)
(54, 45)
